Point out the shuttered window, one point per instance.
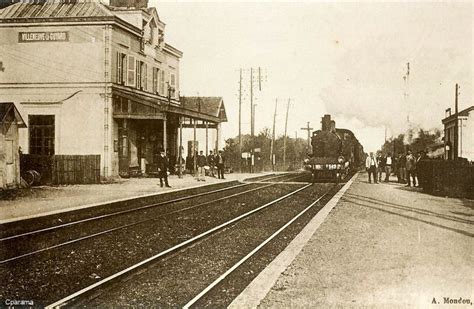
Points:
(131, 71)
(155, 80)
(162, 83)
(144, 76)
(121, 68)
(138, 73)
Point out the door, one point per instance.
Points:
(10, 163)
(123, 153)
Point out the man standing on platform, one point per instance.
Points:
(201, 162)
(402, 169)
(380, 166)
(219, 161)
(388, 166)
(163, 166)
(411, 169)
(210, 161)
(371, 166)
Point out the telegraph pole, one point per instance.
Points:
(309, 134)
(456, 127)
(284, 137)
(251, 104)
(273, 135)
(240, 121)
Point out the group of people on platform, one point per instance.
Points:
(212, 163)
(403, 166)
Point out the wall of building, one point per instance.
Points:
(467, 132)
(79, 59)
(41, 76)
(128, 44)
(466, 137)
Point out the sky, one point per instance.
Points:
(345, 59)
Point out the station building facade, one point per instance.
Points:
(463, 122)
(90, 78)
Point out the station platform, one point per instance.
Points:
(374, 246)
(46, 200)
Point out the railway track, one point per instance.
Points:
(57, 224)
(262, 212)
(88, 228)
(19, 258)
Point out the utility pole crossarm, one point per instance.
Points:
(309, 129)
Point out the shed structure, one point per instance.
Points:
(10, 121)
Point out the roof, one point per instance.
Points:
(50, 9)
(9, 113)
(463, 113)
(212, 106)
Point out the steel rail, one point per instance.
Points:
(64, 301)
(128, 225)
(125, 211)
(250, 254)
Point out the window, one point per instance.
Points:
(121, 68)
(41, 129)
(172, 84)
(162, 82)
(155, 79)
(144, 72)
(138, 73)
(141, 75)
(172, 80)
(131, 71)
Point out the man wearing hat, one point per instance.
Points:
(163, 166)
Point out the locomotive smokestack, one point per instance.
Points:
(326, 123)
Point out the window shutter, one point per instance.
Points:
(138, 75)
(162, 83)
(155, 82)
(131, 71)
(119, 68)
(145, 76)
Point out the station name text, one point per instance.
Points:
(43, 36)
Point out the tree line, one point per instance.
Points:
(296, 151)
(415, 140)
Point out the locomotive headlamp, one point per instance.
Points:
(340, 159)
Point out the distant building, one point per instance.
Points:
(465, 127)
(98, 79)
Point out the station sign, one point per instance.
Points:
(44, 36)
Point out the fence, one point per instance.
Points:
(447, 178)
(63, 169)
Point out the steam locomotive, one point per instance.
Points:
(335, 152)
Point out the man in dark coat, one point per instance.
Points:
(163, 166)
(210, 161)
(219, 161)
(411, 168)
(201, 162)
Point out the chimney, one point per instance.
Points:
(136, 4)
(326, 123)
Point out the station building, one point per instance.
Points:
(463, 146)
(90, 78)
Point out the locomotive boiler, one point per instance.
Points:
(335, 152)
